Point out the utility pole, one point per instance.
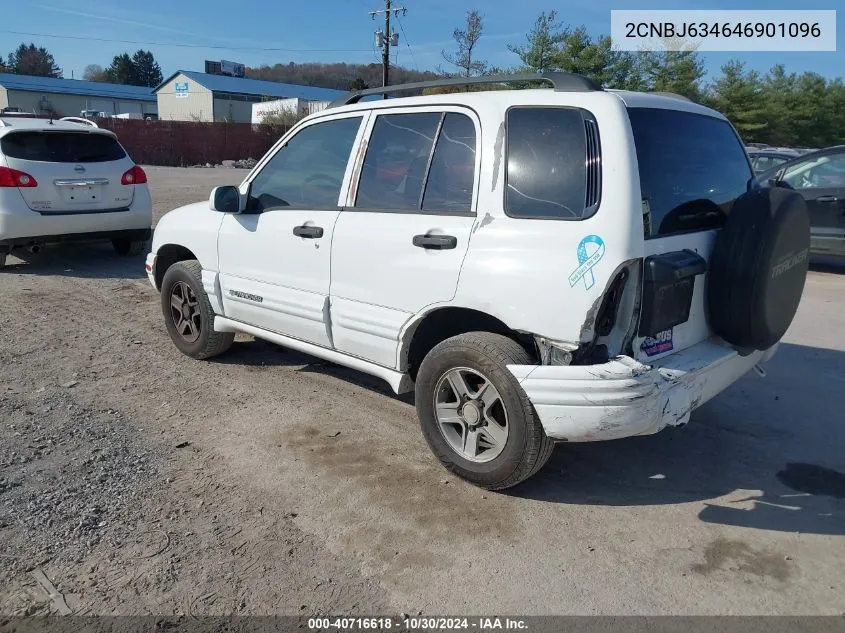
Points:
(387, 39)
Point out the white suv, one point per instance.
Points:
(561, 265)
(69, 180)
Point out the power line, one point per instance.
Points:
(213, 46)
(407, 43)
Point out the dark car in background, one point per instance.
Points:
(763, 160)
(820, 178)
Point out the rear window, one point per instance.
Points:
(692, 169)
(61, 147)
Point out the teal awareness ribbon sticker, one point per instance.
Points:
(590, 251)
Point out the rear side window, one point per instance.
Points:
(554, 163)
(692, 169)
(420, 162)
(62, 147)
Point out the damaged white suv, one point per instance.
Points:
(568, 264)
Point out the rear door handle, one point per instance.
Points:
(826, 199)
(436, 242)
(308, 232)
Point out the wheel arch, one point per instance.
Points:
(442, 322)
(166, 256)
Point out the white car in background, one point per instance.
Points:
(69, 180)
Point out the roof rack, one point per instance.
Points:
(674, 95)
(562, 82)
(79, 119)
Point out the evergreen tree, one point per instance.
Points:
(739, 96)
(32, 60)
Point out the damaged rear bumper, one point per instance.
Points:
(624, 397)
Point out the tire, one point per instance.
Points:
(758, 267)
(4, 252)
(129, 248)
(481, 357)
(194, 334)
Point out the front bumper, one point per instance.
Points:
(624, 398)
(150, 267)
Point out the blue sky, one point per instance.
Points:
(336, 30)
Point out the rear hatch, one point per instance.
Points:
(692, 168)
(75, 171)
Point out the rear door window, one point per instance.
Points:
(62, 147)
(553, 163)
(692, 169)
(397, 159)
(421, 162)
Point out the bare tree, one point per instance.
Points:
(94, 72)
(467, 39)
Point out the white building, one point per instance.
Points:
(294, 105)
(191, 96)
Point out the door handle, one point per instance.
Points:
(436, 242)
(826, 199)
(308, 232)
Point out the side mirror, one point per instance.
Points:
(778, 181)
(225, 199)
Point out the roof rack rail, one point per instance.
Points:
(674, 95)
(79, 119)
(563, 82)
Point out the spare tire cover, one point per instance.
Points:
(758, 267)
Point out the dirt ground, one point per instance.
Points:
(140, 481)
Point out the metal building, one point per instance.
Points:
(192, 96)
(70, 97)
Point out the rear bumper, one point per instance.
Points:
(624, 398)
(20, 225)
(129, 234)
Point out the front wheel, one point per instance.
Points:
(474, 415)
(188, 314)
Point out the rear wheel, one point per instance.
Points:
(188, 315)
(474, 415)
(4, 252)
(128, 248)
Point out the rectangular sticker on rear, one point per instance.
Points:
(657, 344)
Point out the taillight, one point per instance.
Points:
(135, 176)
(14, 178)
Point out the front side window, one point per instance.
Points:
(306, 172)
(421, 162)
(552, 163)
(692, 169)
(824, 172)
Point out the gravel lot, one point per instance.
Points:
(267, 482)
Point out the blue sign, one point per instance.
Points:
(181, 89)
(590, 251)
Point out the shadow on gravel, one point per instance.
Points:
(258, 353)
(91, 260)
(764, 454)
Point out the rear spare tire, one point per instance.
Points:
(758, 267)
